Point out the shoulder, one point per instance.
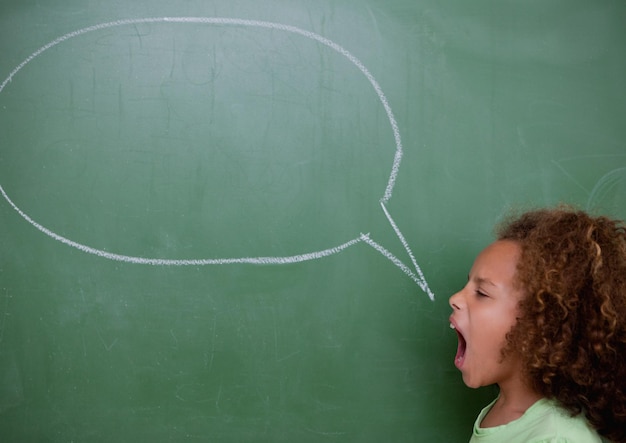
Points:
(559, 426)
(543, 422)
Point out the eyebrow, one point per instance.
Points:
(482, 280)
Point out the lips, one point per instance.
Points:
(459, 358)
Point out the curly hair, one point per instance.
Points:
(571, 332)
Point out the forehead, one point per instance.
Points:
(497, 262)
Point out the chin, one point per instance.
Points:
(471, 383)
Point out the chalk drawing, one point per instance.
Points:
(604, 186)
(414, 273)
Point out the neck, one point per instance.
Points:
(512, 402)
(519, 400)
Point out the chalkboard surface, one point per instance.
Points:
(241, 221)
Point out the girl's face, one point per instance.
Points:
(483, 312)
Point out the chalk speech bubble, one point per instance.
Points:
(414, 273)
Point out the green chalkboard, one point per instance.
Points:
(241, 220)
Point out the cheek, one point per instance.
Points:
(503, 318)
(492, 330)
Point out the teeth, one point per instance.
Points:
(452, 326)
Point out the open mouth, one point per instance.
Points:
(459, 358)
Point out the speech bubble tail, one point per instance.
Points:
(417, 275)
(419, 279)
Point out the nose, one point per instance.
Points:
(456, 301)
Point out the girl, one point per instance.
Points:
(543, 316)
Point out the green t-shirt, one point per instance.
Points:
(543, 422)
